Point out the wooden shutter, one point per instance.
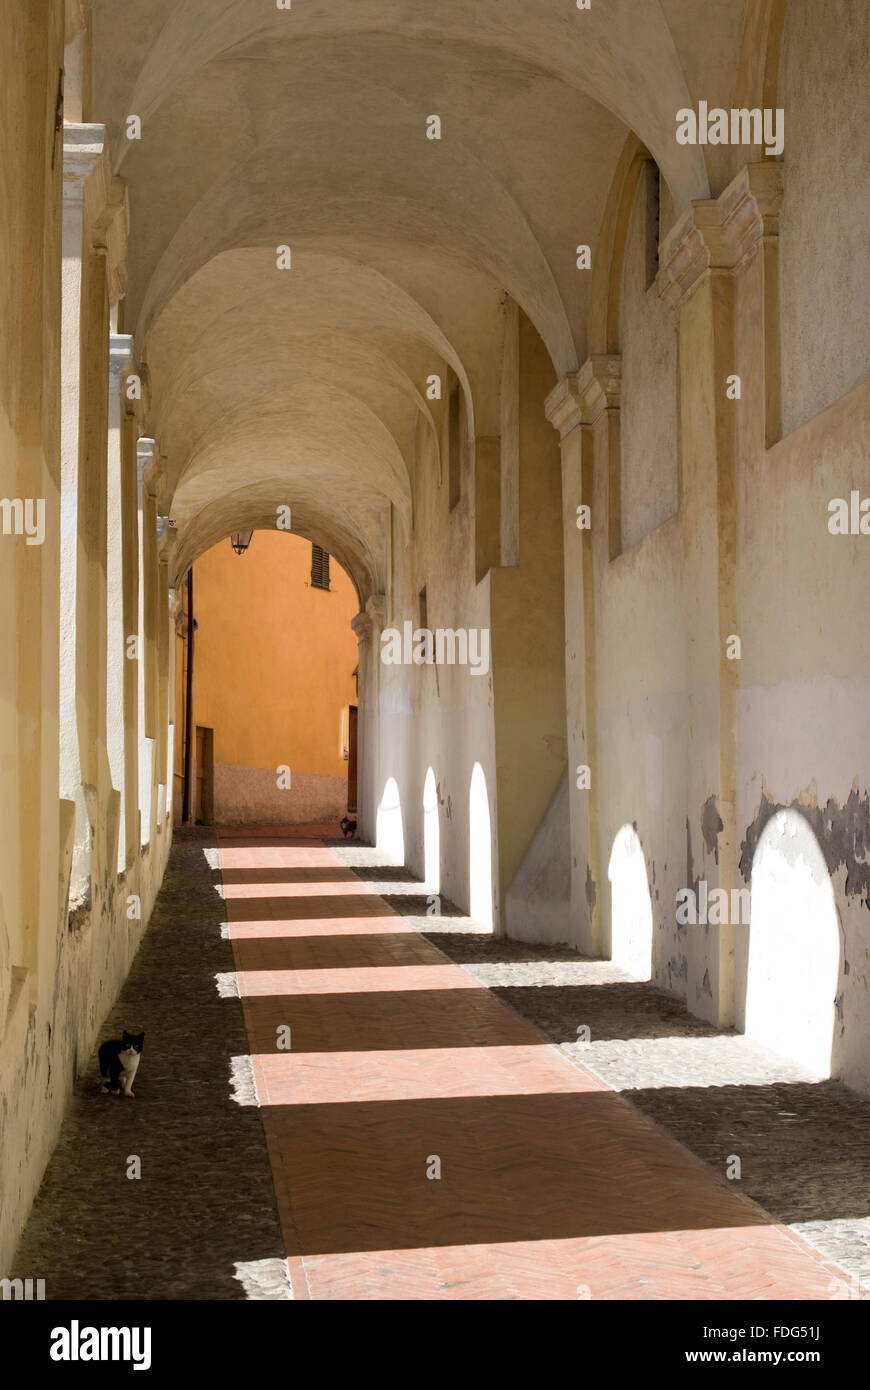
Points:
(319, 568)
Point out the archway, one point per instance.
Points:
(263, 726)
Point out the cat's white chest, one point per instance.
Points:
(129, 1060)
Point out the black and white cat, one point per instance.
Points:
(119, 1062)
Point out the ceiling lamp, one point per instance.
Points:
(240, 541)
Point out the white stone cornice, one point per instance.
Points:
(720, 233)
(83, 146)
(580, 397)
(120, 357)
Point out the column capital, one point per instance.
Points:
(167, 538)
(580, 397)
(75, 18)
(147, 463)
(108, 212)
(139, 406)
(177, 616)
(120, 358)
(83, 147)
(376, 607)
(721, 233)
(362, 626)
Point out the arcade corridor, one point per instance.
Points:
(544, 325)
(552, 1184)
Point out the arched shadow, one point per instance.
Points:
(431, 834)
(390, 830)
(794, 955)
(631, 923)
(479, 849)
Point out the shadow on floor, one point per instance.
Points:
(178, 1231)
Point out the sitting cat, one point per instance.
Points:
(119, 1062)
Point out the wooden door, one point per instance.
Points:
(200, 769)
(351, 758)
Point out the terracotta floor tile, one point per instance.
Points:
(551, 1186)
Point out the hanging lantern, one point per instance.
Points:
(240, 541)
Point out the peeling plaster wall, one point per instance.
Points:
(823, 90)
(804, 712)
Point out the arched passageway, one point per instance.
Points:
(575, 395)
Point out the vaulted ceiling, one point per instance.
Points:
(306, 128)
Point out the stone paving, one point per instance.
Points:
(413, 1037)
(546, 1182)
(804, 1145)
(201, 1222)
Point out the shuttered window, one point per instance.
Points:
(319, 568)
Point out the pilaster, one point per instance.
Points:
(703, 262)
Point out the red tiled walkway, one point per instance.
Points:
(551, 1186)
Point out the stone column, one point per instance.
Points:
(362, 627)
(82, 147)
(146, 453)
(106, 227)
(584, 408)
(165, 551)
(120, 356)
(368, 626)
(130, 618)
(175, 619)
(703, 261)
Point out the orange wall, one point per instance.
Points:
(273, 657)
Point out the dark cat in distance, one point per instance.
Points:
(119, 1062)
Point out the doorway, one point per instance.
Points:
(352, 721)
(203, 810)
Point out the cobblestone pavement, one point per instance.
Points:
(804, 1145)
(201, 1223)
(413, 1037)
